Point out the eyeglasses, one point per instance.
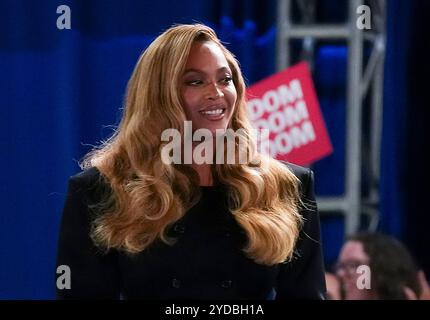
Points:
(349, 267)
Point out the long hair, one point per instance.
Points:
(147, 195)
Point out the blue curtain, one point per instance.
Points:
(393, 170)
(62, 90)
(415, 174)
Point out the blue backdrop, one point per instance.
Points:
(62, 90)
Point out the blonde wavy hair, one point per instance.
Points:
(147, 196)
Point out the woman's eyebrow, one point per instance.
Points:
(191, 70)
(224, 69)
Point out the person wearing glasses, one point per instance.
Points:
(393, 274)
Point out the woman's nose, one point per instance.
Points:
(340, 273)
(214, 92)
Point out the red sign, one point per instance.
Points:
(286, 105)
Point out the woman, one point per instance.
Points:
(136, 226)
(392, 273)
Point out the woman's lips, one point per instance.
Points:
(213, 114)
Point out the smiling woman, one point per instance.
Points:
(137, 227)
(208, 89)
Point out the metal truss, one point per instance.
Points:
(364, 80)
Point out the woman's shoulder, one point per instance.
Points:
(88, 176)
(302, 173)
(89, 181)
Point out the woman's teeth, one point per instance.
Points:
(213, 112)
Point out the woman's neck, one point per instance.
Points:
(204, 170)
(205, 174)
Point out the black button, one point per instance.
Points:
(179, 228)
(176, 283)
(226, 284)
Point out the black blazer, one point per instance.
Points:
(205, 263)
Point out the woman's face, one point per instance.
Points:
(207, 88)
(351, 257)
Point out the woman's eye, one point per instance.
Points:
(194, 82)
(227, 80)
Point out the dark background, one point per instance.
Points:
(61, 91)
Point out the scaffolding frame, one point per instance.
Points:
(362, 79)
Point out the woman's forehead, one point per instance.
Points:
(353, 250)
(206, 55)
